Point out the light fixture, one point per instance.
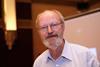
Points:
(10, 22)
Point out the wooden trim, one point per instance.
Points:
(82, 14)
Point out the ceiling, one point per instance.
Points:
(65, 2)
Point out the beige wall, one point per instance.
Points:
(84, 30)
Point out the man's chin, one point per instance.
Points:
(52, 43)
(52, 47)
(49, 45)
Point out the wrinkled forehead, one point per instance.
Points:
(48, 13)
(48, 16)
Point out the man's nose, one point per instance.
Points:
(50, 31)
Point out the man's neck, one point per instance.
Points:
(55, 53)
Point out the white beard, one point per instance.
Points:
(57, 43)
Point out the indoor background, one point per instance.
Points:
(26, 12)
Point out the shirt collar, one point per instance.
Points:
(66, 53)
(49, 56)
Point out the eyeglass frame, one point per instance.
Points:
(52, 26)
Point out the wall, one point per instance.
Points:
(84, 30)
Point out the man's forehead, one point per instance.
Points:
(47, 13)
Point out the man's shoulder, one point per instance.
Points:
(42, 57)
(44, 54)
(78, 47)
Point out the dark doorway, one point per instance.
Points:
(21, 53)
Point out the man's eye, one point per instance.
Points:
(42, 27)
(54, 24)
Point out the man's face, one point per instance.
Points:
(51, 30)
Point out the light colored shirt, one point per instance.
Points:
(73, 55)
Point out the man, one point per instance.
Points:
(60, 53)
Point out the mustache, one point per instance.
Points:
(50, 36)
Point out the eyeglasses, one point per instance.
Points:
(52, 26)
